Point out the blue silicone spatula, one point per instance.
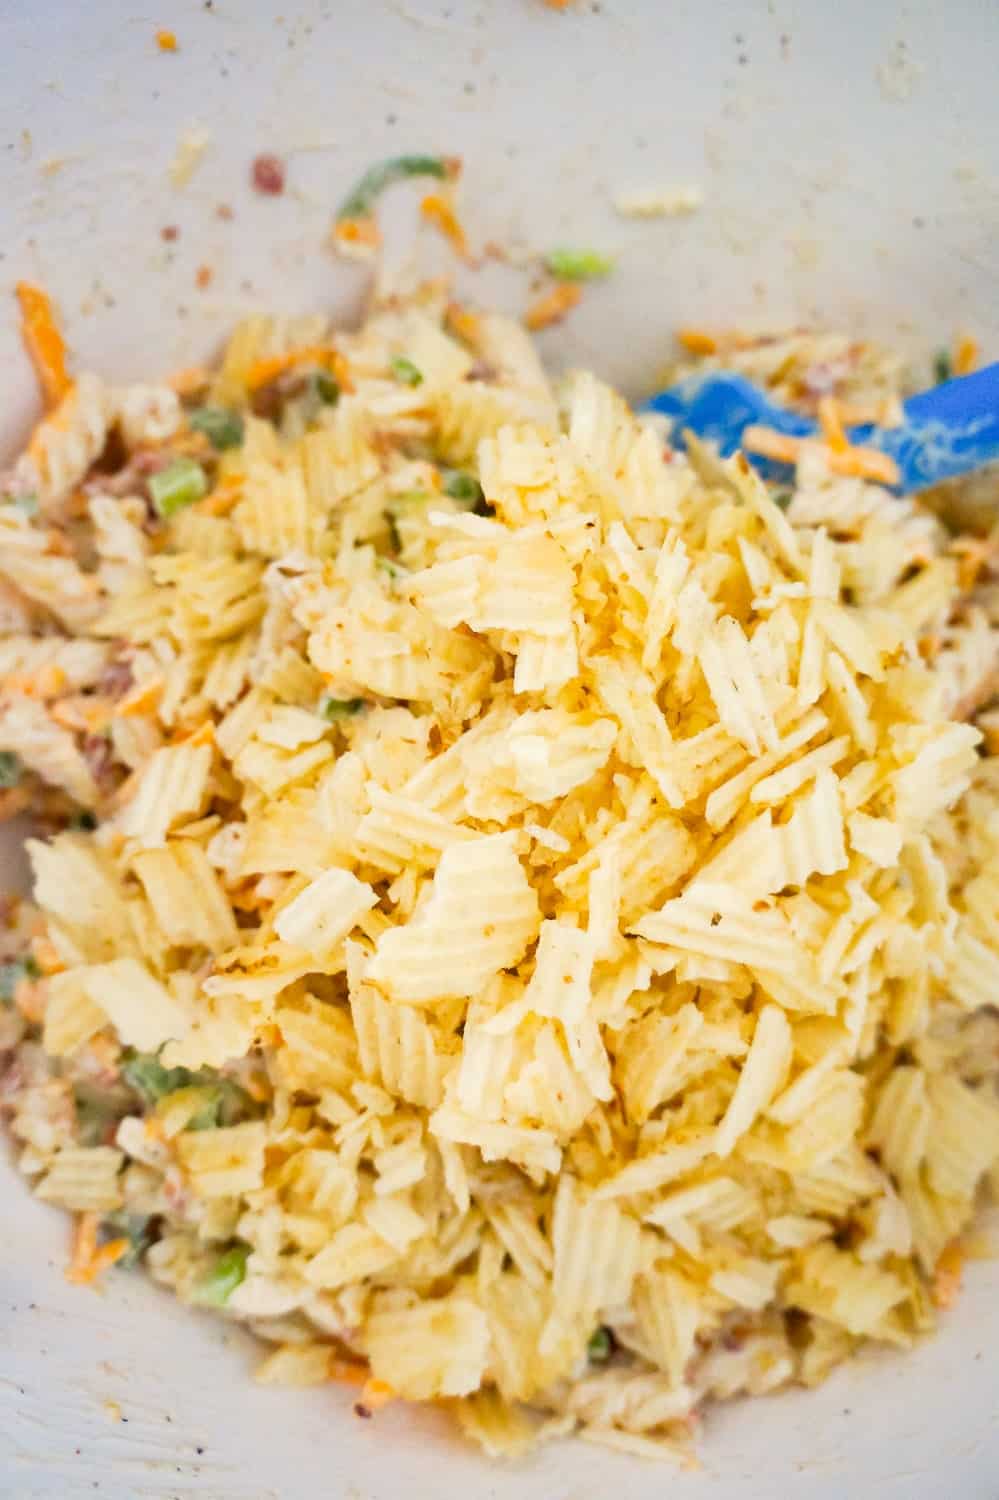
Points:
(945, 432)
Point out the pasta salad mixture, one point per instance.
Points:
(515, 905)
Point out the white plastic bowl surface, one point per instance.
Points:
(849, 159)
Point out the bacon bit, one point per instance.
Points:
(169, 232)
(360, 236)
(263, 371)
(267, 175)
(947, 1276)
(858, 463)
(143, 698)
(831, 423)
(166, 41)
(467, 325)
(697, 340)
(203, 277)
(43, 341)
(965, 358)
(377, 1393)
(553, 306)
(438, 211)
(224, 211)
(190, 381)
(558, 4)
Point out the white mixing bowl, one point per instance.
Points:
(848, 156)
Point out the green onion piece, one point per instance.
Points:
(335, 709)
(578, 265)
(11, 769)
(360, 201)
(943, 367)
(28, 503)
(326, 388)
(405, 371)
(178, 485)
(11, 974)
(83, 821)
(144, 1073)
(225, 1104)
(600, 1347)
(218, 1283)
(136, 1228)
(464, 488)
(782, 498)
(222, 428)
(393, 569)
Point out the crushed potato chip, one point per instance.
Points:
(522, 912)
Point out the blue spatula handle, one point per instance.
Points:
(947, 431)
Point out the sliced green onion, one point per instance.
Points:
(11, 974)
(393, 569)
(464, 488)
(782, 498)
(405, 371)
(83, 821)
(335, 709)
(225, 1103)
(144, 1073)
(178, 485)
(361, 199)
(578, 265)
(27, 504)
(326, 388)
(222, 428)
(11, 769)
(219, 1282)
(943, 366)
(600, 1347)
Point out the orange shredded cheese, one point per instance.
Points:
(965, 357)
(858, 463)
(347, 1373)
(142, 699)
(166, 41)
(438, 211)
(189, 381)
(224, 496)
(263, 371)
(203, 734)
(89, 715)
(362, 234)
(831, 423)
(697, 340)
(377, 1393)
(46, 955)
(43, 341)
(947, 1276)
(467, 325)
(553, 306)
